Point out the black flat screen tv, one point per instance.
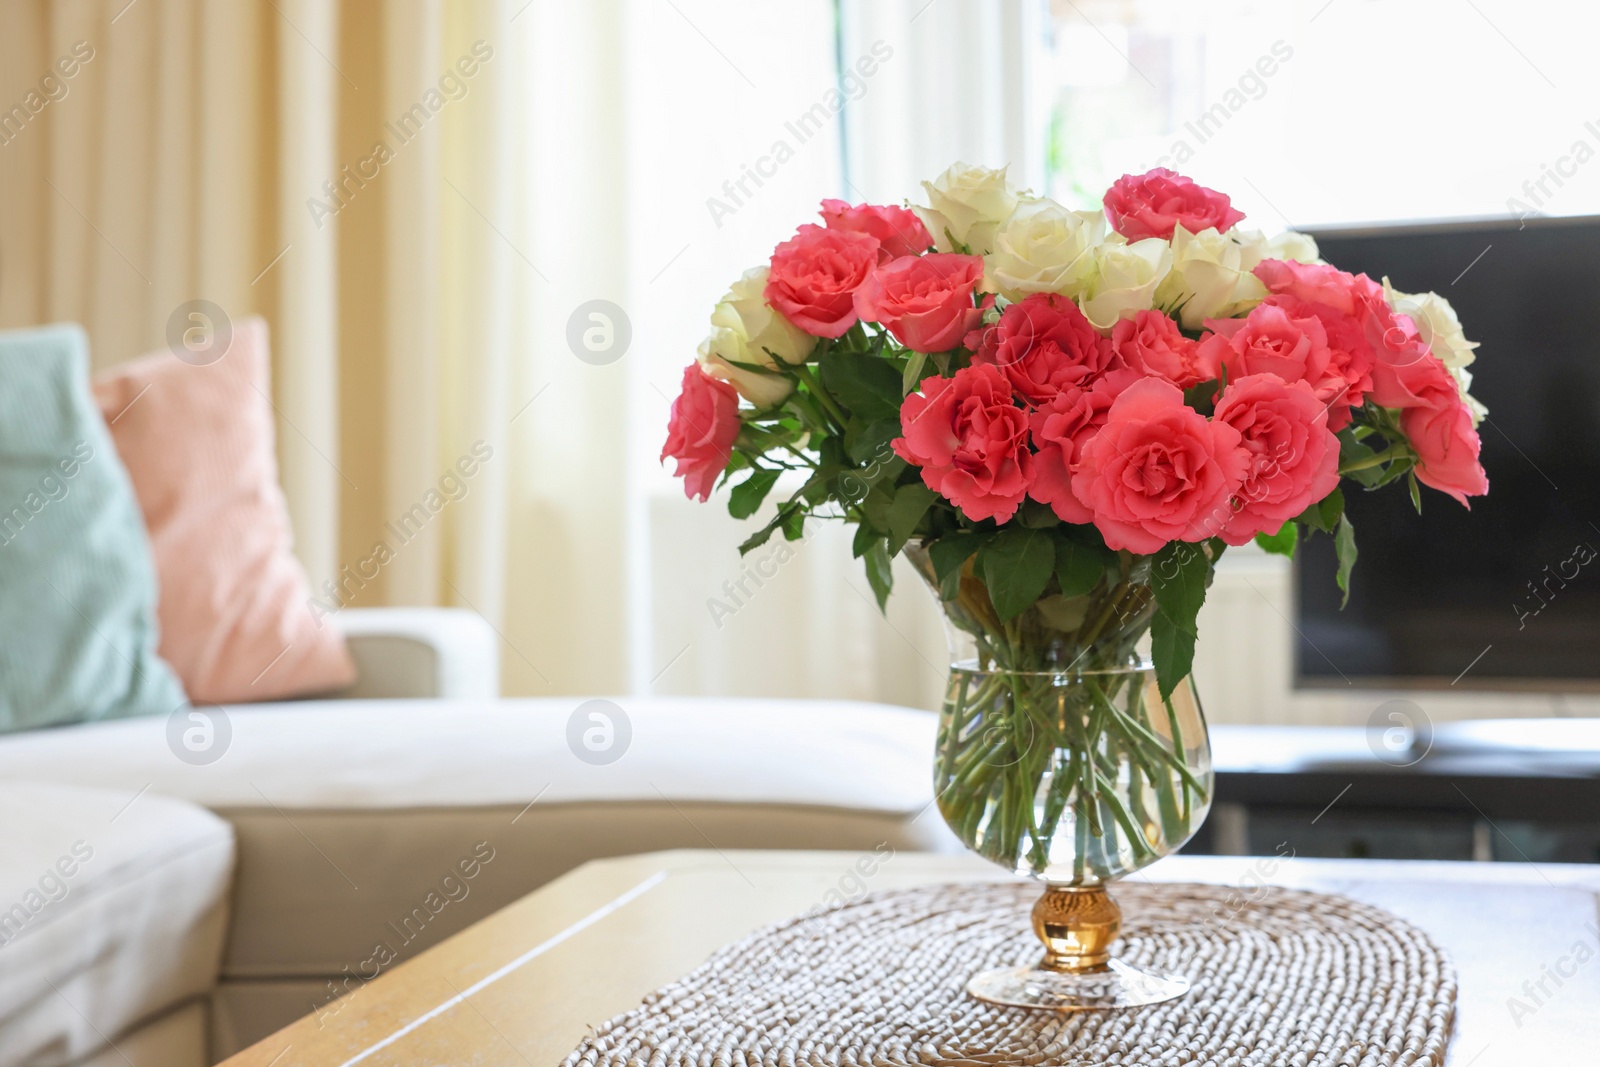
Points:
(1506, 595)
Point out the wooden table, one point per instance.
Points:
(522, 986)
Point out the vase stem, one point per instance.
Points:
(1077, 926)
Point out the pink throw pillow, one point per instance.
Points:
(232, 599)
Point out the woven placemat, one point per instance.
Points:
(1288, 978)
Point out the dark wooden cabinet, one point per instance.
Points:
(1511, 790)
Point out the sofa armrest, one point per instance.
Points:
(420, 653)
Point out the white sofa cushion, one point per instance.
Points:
(356, 819)
(113, 908)
(376, 754)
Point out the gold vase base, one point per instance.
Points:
(1077, 925)
(1115, 985)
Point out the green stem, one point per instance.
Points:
(1136, 790)
(1080, 842)
(1142, 732)
(814, 389)
(807, 460)
(1056, 803)
(1375, 460)
(1091, 737)
(1114, 802)
(1178, 750)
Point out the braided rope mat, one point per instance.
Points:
(1292, 978)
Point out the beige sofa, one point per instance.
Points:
(332, 839)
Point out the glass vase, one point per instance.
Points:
(1059, 759)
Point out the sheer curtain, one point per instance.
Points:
(160, 153)
(372, 177)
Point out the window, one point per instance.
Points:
(1330, 111)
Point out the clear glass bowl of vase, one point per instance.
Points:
(1058, 758)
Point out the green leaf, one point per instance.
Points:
(1344, 543)
(868, 386)
(756, 438)
(1352, 452)
(879, 573)
(794, 525)
(1201, 396)
(1036, 515)
(875, 505)
(1397, 468)
(1179, 575)
(756, 368)
(912, 376)
(763, 535)
(911, 503)
(1283, 542)
(949, 553)
(868, 442)
(1079, 567)
(1172, 651)
(819, 486)
(747, 496)
(865, 535)
(1416, 491)
(1016, 566)
(1324, 514)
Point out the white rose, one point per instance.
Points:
(745, 329)
(1288, 245)
(1210, 276)
(1441, 331)
(1436, 322)
(1043, 248)
(762, 390)
(1125, 279)
(1475, 407)
(1294, 247)
(965, 204)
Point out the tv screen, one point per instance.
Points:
(1511, 588)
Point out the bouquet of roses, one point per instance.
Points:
(1044, 388)
(1064, 417)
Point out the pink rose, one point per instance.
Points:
(1401, 370)
(1153, 204)
(815, 275)
(1355, 295)
(1151, 343)
(1287, 339)
(1439, 428)
(1294, 457)
(701, 431)
(970, 440)
(1044, 344)
(1350, 356)
(1060, 429)
(1158, 470)
(1404, 367)
(898, 230)
(1355, 318)
(925, 301)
